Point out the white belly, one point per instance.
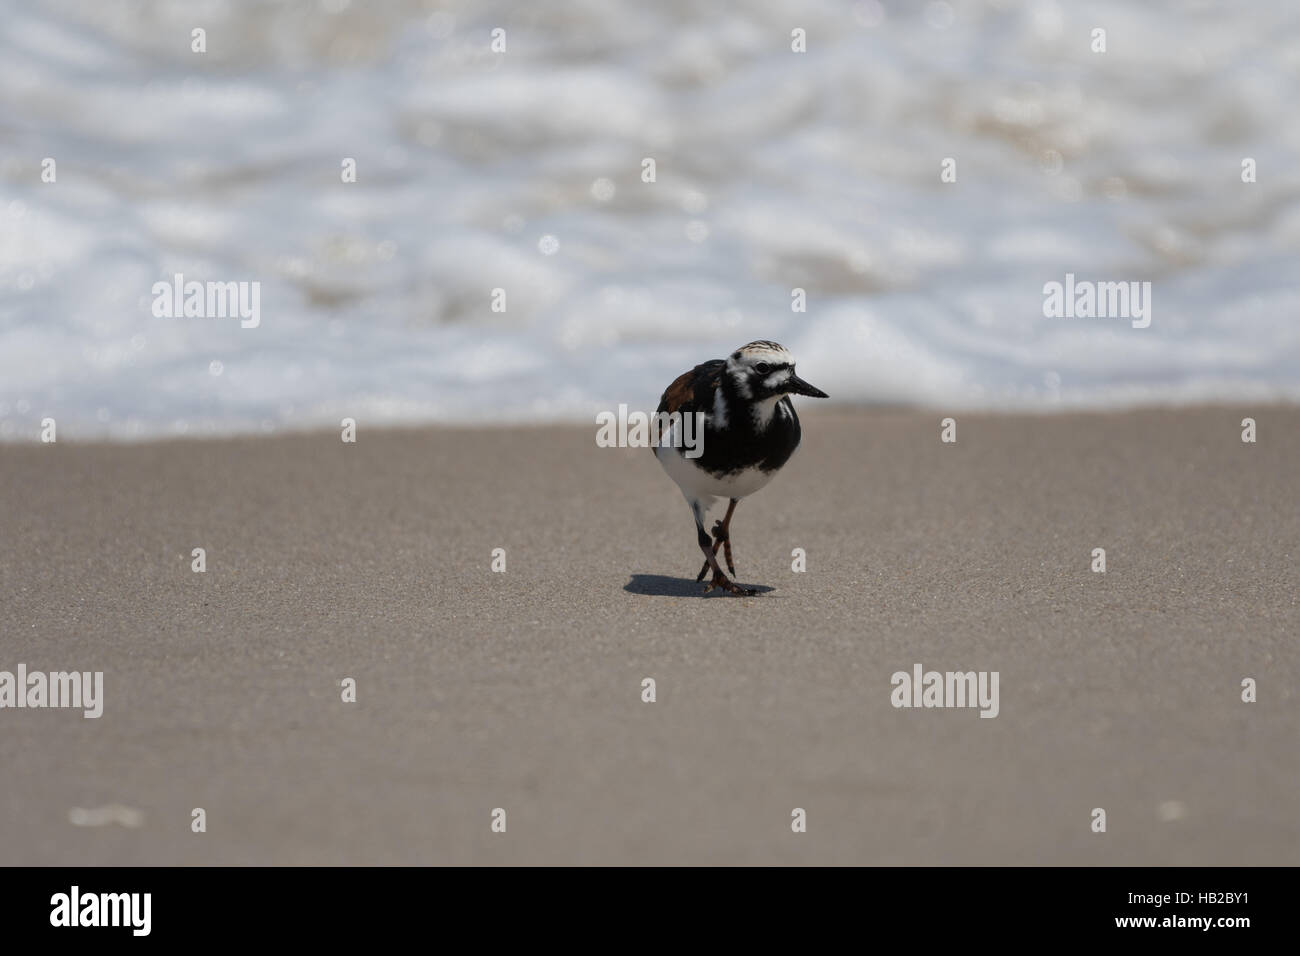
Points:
(699, 484)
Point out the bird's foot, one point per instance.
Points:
(723, 582)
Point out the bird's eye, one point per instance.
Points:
(762, 368)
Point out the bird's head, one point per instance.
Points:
(762, 370)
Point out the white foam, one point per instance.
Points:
(775, 170)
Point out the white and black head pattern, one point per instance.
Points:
(760, 370)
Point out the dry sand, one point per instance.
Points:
(522, 690)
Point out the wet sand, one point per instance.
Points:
(523, 690)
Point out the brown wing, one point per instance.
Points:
(679, 393)
(693, 391)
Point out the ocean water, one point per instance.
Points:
(522, 171)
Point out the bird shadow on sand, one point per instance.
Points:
(661, 585)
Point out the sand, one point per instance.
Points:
(523, 690)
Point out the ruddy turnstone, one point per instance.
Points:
(750, 431)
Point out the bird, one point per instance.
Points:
(750, 430)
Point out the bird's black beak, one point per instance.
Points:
(797, 386)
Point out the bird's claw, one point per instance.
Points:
(729, 586)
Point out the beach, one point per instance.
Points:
(523, 690)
